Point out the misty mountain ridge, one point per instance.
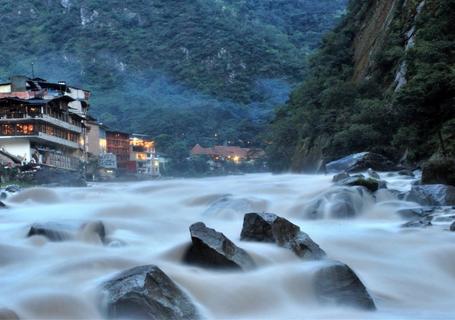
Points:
(240, 57)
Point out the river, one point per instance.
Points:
(410, 273)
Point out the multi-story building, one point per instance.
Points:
(118, 143)
(43, 122)
(143, 160)
(102, 164)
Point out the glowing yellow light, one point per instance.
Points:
(236, 159)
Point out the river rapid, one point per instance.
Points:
(410, 273)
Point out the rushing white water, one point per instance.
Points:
(409, 272)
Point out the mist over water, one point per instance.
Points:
(409, 272)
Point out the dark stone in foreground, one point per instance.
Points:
(2, 205)
(439, 172)
(268, 227)
(432, 195)
(146, 292)
(213, 249)
(452, 227)
(338, 284)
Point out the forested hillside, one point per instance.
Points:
(384, 81)
(204, 71)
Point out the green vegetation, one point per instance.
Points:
(331, 114)
(150, 64)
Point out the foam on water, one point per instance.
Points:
(409, 272)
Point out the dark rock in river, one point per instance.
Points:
(58, 177)
(340, 176)
(419, 223)
(52, 231)
(63, 232)
(268, 227)
(2, 205)
(229, 206)
(213, 249)
(406, 172)
(338, 203)
(452, 227)
(361, 162)
(7, 314)
(432, 195)
(412, 213)
(13, 188)
(371, 184)
(336, 283)
(373, 174)
(146, 292)
(439, 172)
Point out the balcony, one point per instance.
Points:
(21, 117)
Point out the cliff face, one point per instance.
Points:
(369, 39)
(383, 81)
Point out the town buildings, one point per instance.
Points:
(135, 153)
(143, 158)
(47, 125)
(228, 153)
(43, 122)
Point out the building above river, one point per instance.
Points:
(43, 122)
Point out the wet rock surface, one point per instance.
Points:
(439, 172)
(361, 162)
(338, 203)
(340, 176)
(268, 227)
(432, 195)
(212, 249)
(336, 283)
(419, 223)
(146, 292)
(360, 181)
(452, 227)
(63, 232)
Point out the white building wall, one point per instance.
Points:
(17, 147)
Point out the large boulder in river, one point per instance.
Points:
(452, 227)
(432, 195)
(439, 172)
(336, 283)
(67, 231)
(361, 162)
(338, 203)
(146, 292)
(213, 249)
(268, 227)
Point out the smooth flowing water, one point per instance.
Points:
(409, 272)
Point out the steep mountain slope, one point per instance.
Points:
(383, 81)
(144, 59)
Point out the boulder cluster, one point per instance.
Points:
(433, 194)
(146, 292)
